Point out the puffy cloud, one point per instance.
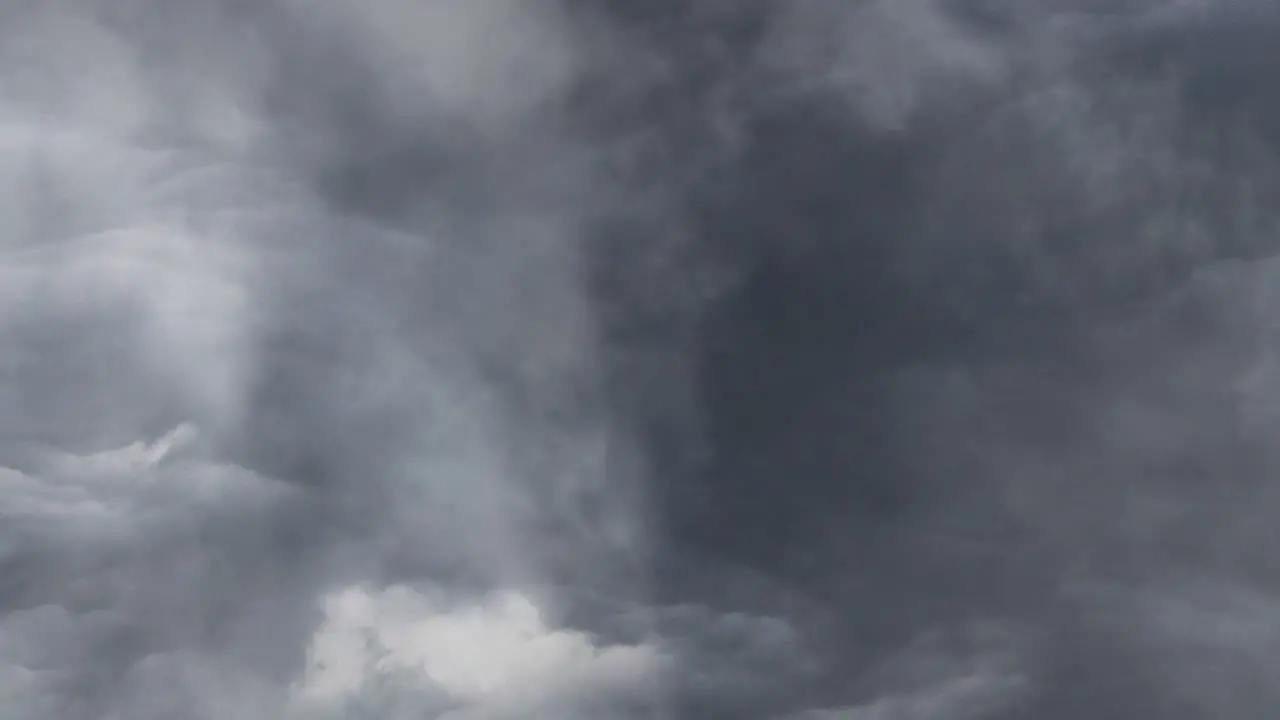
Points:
(493, 659)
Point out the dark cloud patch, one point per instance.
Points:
(929, 326)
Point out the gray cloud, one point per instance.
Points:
(558, 359)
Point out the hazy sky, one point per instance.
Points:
(590, 359)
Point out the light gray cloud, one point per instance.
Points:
(170, 259)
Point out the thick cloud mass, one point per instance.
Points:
(561, 359)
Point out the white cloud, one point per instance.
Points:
(495, 659)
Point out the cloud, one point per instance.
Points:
(434, 66)
(551, 359)
(229, 391)
(888, 59)
(495, 659)
(117, 557)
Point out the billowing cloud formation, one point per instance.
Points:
(494, 660)
(116, 561)
(557, 359)
(357, 398)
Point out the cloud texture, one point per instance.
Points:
(558, 359)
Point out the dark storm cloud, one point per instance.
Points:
(571, 359)
(986, 345)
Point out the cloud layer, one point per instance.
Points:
(551, 359)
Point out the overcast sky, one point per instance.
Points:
(593, 359)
